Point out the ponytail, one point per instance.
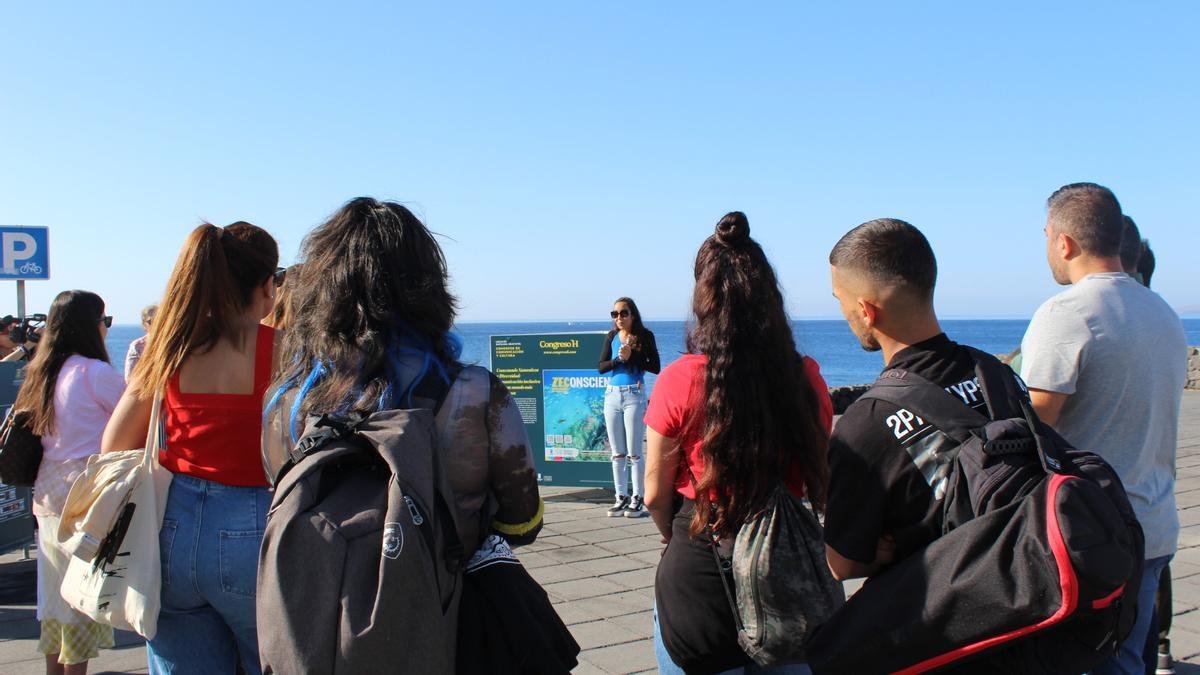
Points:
(760, 413)
(213, 281)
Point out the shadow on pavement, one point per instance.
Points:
(18, 583)
(597, 495)
(124, 639)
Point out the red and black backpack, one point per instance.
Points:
(1038, 566)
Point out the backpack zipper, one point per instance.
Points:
(425, 530)
(417, 519)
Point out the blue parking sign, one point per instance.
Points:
(24, 252)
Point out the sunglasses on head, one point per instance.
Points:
(624, 314)
(107, 321)
(280, 275)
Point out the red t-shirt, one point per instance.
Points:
(218, 437)
(672, 406)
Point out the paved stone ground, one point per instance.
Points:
(599, 572)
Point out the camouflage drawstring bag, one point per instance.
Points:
(784, 589)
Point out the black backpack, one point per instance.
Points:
(1039, 563)
(361, 566)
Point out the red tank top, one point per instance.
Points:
(218, 437)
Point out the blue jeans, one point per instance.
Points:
(624, 408)
(1129, 658)
(209, 541)
(667, 667)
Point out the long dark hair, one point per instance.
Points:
(72, 327)
(760, 413)
(373, 287)
(638, 329)
(213, 282)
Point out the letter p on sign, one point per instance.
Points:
(18, 247)
(24, 253)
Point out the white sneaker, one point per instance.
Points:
(619, 507)
(636, 508)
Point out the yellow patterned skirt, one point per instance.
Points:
(74, 642)
(66, 632)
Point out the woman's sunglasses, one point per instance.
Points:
(107, 321)
(624, 314)
(280, 275)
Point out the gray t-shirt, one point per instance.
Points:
(1120, 353)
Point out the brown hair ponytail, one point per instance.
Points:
(761, 414)
(213, 281)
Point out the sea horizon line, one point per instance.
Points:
(951, 317)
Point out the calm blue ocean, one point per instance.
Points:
(831, 343)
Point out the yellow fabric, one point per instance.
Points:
(521, 528)
(74, 642)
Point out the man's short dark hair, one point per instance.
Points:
(890, 252)
(1090, 214)
(1131, 245)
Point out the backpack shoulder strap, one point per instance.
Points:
(321, 431)
(434, 389)
(1007, 397)
(1002, 391)
(287, 478)
(928, 401)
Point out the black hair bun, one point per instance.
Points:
(733, 229)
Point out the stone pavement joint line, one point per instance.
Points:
(599, 572)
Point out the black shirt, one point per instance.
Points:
(644, 357)
(888, 467)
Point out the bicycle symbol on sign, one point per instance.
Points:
(30, 268)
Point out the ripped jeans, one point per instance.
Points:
(624, 410)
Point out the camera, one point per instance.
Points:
(21, 331)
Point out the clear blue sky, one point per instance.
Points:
(574, 152)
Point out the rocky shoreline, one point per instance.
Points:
(1193, 376)
(844, 396)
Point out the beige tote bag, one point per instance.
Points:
(110, 527)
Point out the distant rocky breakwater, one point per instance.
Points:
(1193, 377)
(844, 396)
